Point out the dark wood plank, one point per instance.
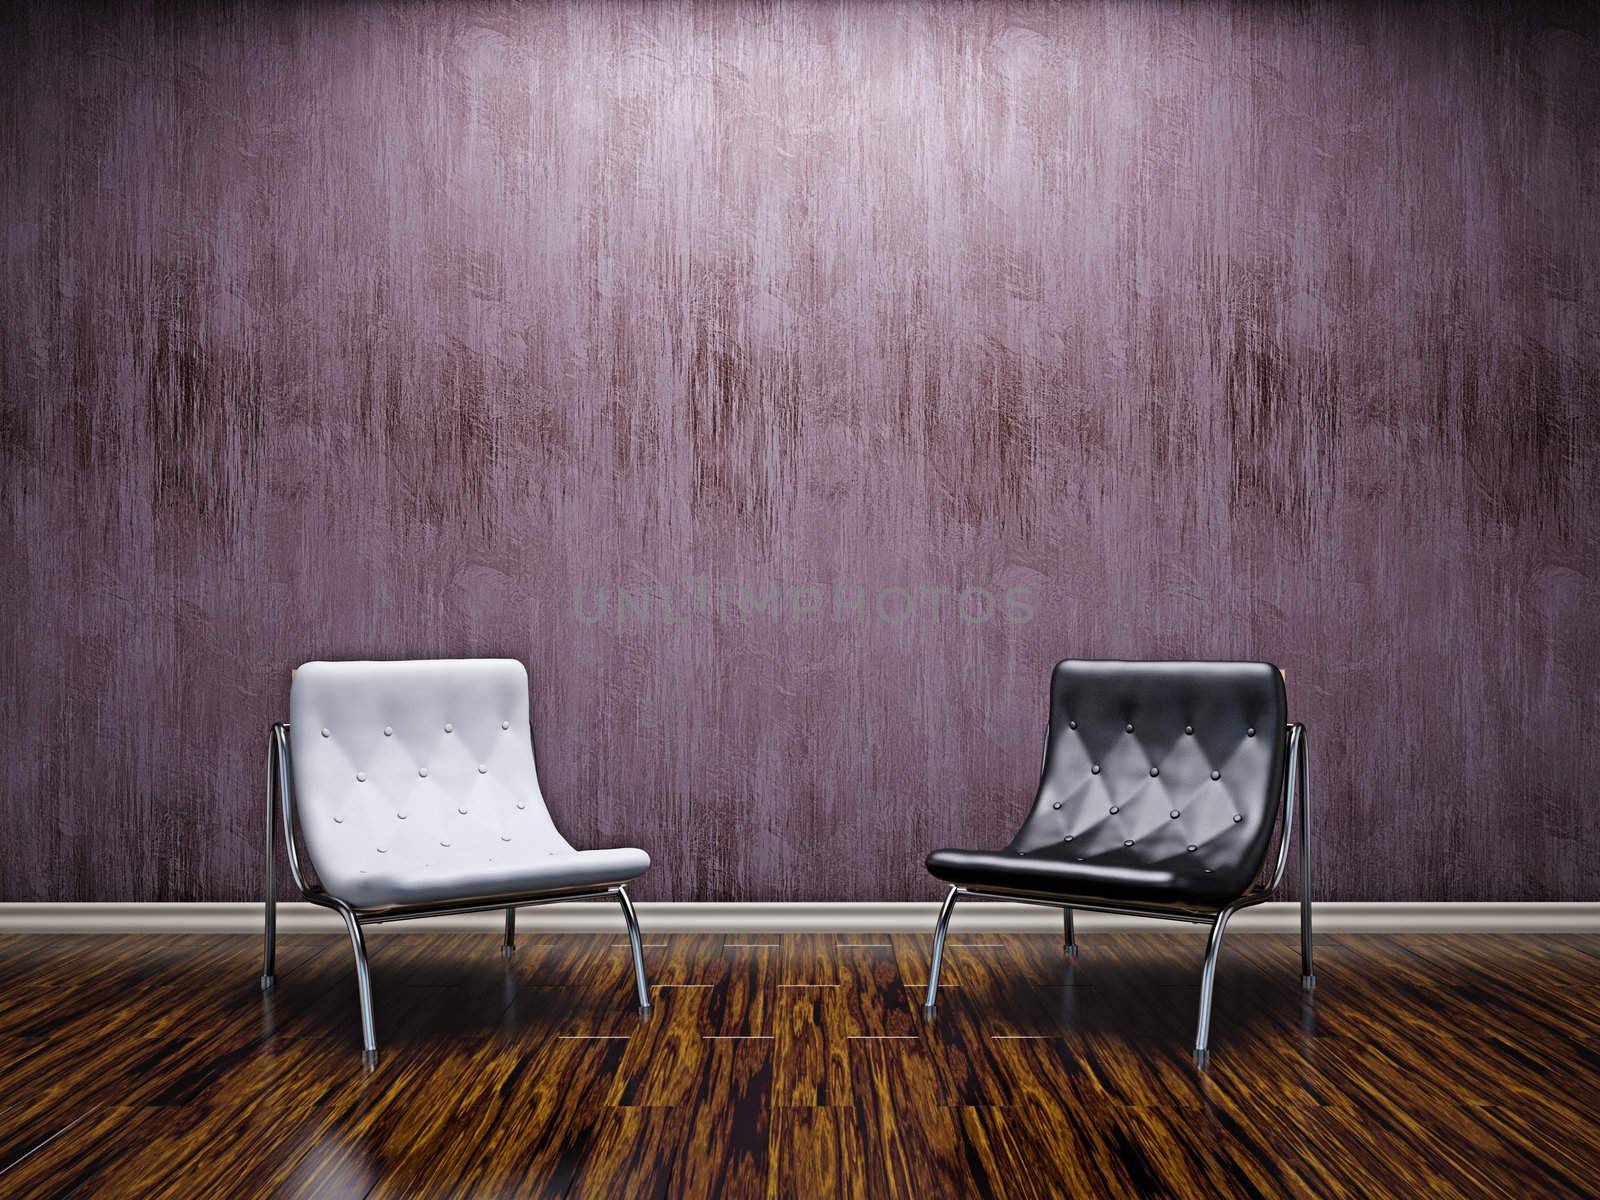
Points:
(799, 1065)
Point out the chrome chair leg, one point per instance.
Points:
(510, 942)
(1202, 1037)
(939, 930)
(369, 1040)
(1070, 943)
(632, 919)
(1308, 977)
(270, 942)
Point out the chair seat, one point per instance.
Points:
(484, 873)
(1052, 874)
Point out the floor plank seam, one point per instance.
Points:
(17, 1162)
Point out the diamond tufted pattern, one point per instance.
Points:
(1155, 789)
(415, 785)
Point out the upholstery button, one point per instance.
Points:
(1115, 810)
(505, 724)
(1072, 724)
(400, 816)
(361, 776)
(1129, 728)
(1173, 814)
(1127, 843)
(449, 728)
(462, 811)
(1057, 804)
(1237, 818)
(445, 844)
(504, 838)
(1095, 770)
(1189, 729)
(1216, 774)
(422, 771)
(1251, 732)
(1208, 870)
(1154, 771)
(1068, 838)
(388, 731)
(1191, 849)
(383, 849)
(338, 820)
(483, 769)
(325, 733)
(520, 804)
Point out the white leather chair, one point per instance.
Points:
(408, 789)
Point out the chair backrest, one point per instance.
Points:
(1185, 760)
(397, 762)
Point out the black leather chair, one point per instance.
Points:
(1162, 786)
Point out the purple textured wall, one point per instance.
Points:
(388, 329)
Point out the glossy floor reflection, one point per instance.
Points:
(799, 1065)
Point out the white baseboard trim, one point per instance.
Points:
(802, 917)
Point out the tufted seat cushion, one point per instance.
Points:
(1054, 873)
(415, 785)
(499, 877)
(1160, 788)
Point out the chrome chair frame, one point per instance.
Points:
(1296, 795)
(280, 787)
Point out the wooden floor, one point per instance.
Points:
(800, 1066)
